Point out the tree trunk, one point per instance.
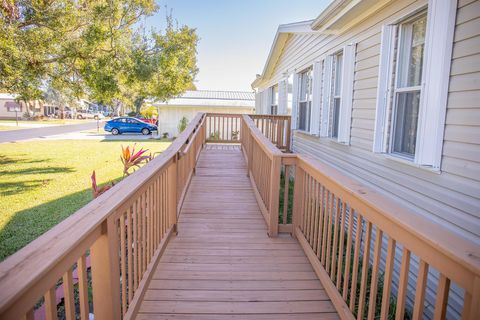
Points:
(138, 104)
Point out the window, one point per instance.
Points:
(414, 73)
(305, 100)
(408, 86)
(337, 85)
(13, 106)
(274, 99)
(289, 93)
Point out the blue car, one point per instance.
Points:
(129, 124)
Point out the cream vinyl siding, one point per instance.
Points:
(451, 197)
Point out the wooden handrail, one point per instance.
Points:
(341, 225)
(33, 270)
(276, 128)
(340, 222)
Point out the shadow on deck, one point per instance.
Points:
(222, 264)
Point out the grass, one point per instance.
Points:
(43, 182)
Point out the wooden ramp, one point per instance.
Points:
(222, 264)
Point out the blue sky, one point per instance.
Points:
(235, 36)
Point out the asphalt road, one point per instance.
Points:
(26, 134)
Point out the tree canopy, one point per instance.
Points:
(93, 48)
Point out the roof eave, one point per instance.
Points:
(281, 36)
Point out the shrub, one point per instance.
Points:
(182, 125)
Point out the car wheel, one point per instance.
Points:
(96, 117)
(79, 116)
(145, 131)
(115, 131)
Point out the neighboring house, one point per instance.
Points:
(389, 93)
(191, 102)
(8, 105)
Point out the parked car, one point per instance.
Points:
(129, 124)
(89, 115)
(152, 121)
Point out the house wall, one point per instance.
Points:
(170, 116)
(450, 197)
(5, 114)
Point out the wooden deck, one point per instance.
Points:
(222, 264)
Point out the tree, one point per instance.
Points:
(149, 112)
(63, 41)
(163, 65)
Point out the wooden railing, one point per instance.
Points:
(122, 234)
(351, 235)
(264, 164)
(345, 229)
(223, 127)
(276, 128)
(227, 128)
(365, 248)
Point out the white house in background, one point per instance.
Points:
(389, 93)
(191, 102)
(8, 105)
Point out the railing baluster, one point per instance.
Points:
(374, 281)
(320, 222)
(341, 248)
(50, 304)
(317, 215)
(30, 315)
(346, 274)
(442, 297)
(387, 280)
(329, 231)
(123, 262)
(325, 226)
(353, 287)
(364, 278)
(420, 290)
(335, 239)
(83, 287)
(403, 284)
(130, 253)
(68, 295)
(106, 273)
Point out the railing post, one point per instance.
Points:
(249, 152)
(106, 273)
(172, 195)
(288, 134)
(297, 198)
(274, 195)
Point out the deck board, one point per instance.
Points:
(222, 264)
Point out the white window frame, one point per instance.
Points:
(435, 79)
(345, 94)
(308, 101)
(336, 87)
(402, 70)
(274, 99)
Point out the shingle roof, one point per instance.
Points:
(218, 95)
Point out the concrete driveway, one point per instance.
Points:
(83, 131)
(27, 134)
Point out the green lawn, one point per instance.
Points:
(26, 124)
(43, 182)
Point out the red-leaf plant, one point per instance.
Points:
(130, 159)
(96, 191)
